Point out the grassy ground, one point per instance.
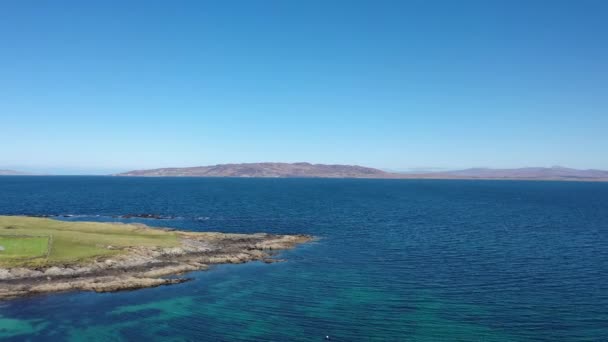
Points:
(25, 240)
(19, 247)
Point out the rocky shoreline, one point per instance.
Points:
(141, 267)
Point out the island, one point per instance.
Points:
(42, 255)
(308, 170)
(264, 170)
(4, 172)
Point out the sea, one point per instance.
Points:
(393, 260)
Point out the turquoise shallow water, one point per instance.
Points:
(396, 260)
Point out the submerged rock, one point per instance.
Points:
(147, 216)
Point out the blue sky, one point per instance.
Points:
(103, 86)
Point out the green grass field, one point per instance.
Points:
(25, 240)
(20, 247)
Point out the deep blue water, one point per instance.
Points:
(397, 260)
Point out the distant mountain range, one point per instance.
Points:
(12, 173)
(556, 172)
(307, 170)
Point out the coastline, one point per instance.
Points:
(424, 178)
(136, 267)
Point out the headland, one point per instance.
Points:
(41, 255)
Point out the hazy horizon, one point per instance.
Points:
(104, 87)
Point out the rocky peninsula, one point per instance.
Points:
(39, 255)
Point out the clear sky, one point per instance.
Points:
(103, 86)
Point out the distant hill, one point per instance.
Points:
(548, 173)
(266, 170)
(307, 170)
(12, 173)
